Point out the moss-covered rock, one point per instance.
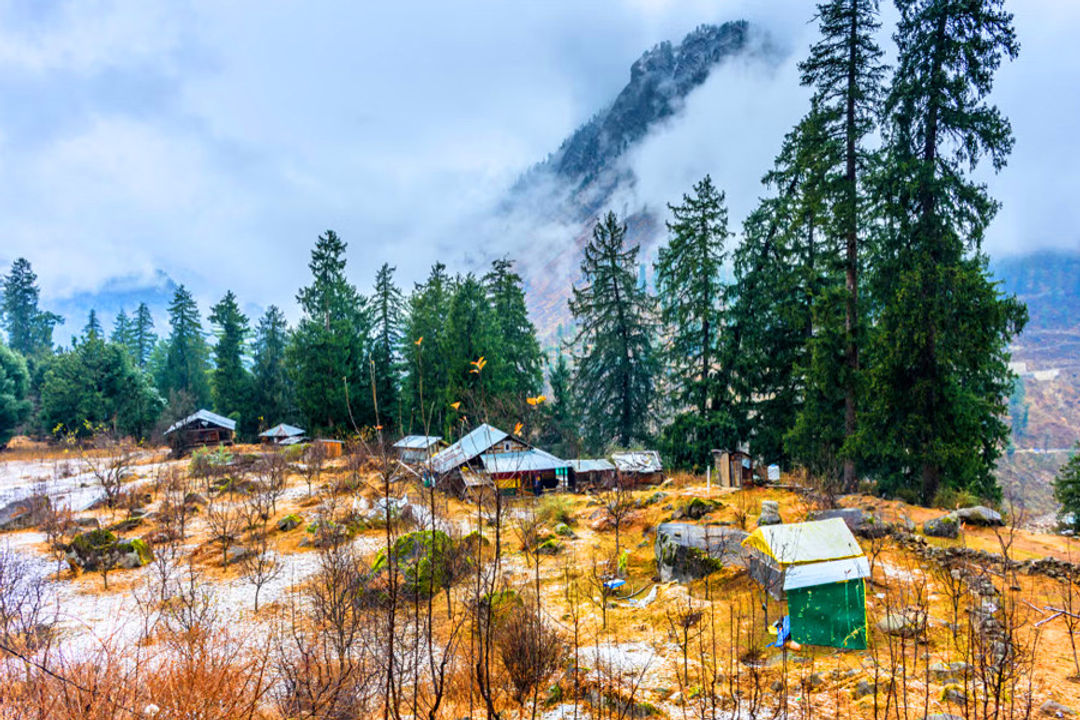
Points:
(134, 553)
(563, 530)
(92, 550)
(425, 559)
(550, 546)
(697, 508)
(290, 522)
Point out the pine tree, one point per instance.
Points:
(425, 351)
(230, 380)
(328, 355)
(471, 334)
(558, 428)
(387, 305)
(143, 337)
(779, 274)
(845, 71)
(274, 399)
(691, 291)
(939, 378)
(122, 333)
(1066, 488)
(93, 327)
(616, 368)
(14, 390)
(29, 329)
(517, 360)
(182, 377)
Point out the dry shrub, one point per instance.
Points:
(529, 650)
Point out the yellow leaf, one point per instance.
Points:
(455, 405)
(517, 428)
(420, 340)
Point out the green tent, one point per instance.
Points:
(819, 568)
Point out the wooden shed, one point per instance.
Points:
(417, 449)
(200, 429)
(638, 467)
(734, 468)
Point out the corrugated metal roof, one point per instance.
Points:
(417, 442)
(587, 466)
(823, 573)
(640, 461)
(206, 416)
(472, 445)
(805, 542)
(282, 430)
(533, 460)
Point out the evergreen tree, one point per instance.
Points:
(1066, 488)
(425, 351)
(14, 389)
(230, 380)
(845, 71)
(122, 333)
(690, 286)
(96, 384)
(939, 378)
(388, 313)
(29, 329)
(558, 429)
(184, 368)
(779, 274)
(517, 362)
(274, 399)
(471, 334)
(616, 369)
(328, 353)
(143, 337)
(93, 327)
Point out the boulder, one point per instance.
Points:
(954, 693)
(89, 523)
(563, 530)
(903, 624)
(944, 527)
(26, 513)
(770, 513)
(133, 553)
(237, 553)
(697, 508)
(685, 552)
(979, 515)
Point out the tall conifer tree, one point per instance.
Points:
(230, 379)
(273, 396)
(940, 378)
(29, 329)
(387, 314)
(616, 364)
(183, 374)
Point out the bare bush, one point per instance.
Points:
(529, 649)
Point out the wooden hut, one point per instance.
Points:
(200, 429)
(530, 470)
(447, 464)
(417, 449)
(734, 468)
(638, 467)
(590, 473)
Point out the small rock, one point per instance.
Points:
(194, 498)
(980, 515)
(863, 688)
(954, 694)
(903, 624)
(289, 522)
(770, 513)
(1055, 709)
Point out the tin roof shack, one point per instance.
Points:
(418, 449)
(282, 434)
(525, 471)
(639, 467)
(734, 468)
(588, 474)
(685, 552)
(200, 429)
(465, 453)
(820, 569)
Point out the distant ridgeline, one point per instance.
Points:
(1048, 281)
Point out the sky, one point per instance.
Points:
(215, 140)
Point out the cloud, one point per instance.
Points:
(214, 141)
